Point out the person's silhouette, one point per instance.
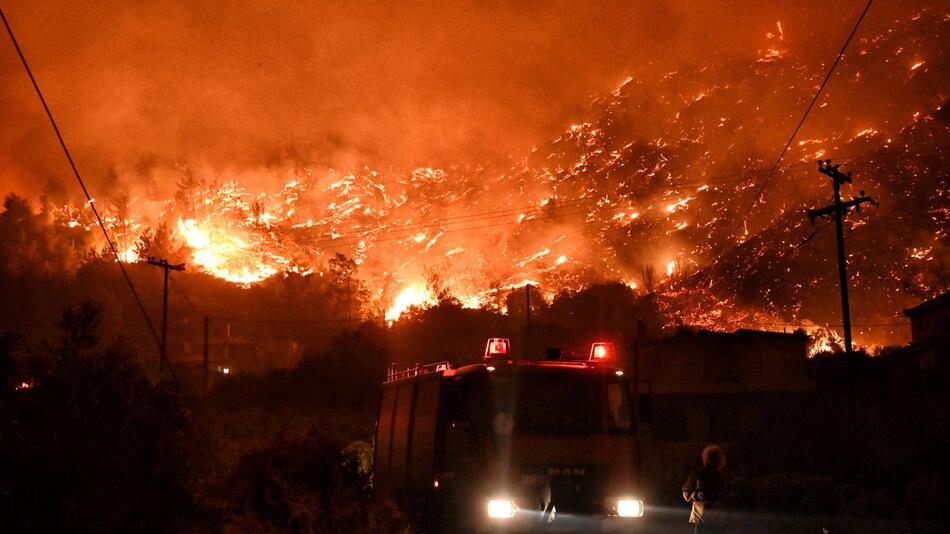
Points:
(705, 488)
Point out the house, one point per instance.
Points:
(926, 361)
(744, 361)
(708, 386)
(930, 320)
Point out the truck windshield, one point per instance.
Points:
(562, 403)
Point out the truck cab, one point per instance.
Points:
(519, 445)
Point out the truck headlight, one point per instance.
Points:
(630, 508)
(501, 508)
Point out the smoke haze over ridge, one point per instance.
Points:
(477, 148)
(231, 88)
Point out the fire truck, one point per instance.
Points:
(511, 444)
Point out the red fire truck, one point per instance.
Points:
(511, 444)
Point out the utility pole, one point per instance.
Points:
(163, 263)
(528, 344)
(204, 354)
(527, 307)
(348, 293)
(227, 344)
(838, 210)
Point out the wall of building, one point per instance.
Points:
(702, 362)
(930, 320)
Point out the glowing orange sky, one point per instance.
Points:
(235, 86)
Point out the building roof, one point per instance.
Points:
(912, 348)
(942, 300)
(739, 333)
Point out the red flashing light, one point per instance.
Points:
(601, 351)
(497, 347)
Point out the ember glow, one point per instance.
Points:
(651, 184)
(223, 255)
(414, 295)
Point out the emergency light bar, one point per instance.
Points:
(497, 347)
(601, 351)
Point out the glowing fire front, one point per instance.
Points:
(665, 212)
(224, 255)
(414, 295)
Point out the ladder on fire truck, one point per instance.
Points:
(394, 373)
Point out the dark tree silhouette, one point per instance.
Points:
(93, 445)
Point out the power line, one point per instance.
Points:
(756, 323)
(184, 296)
(801, 122)
(294, 321)
(339, 243)
(814, 100)
(506, 212)
(415, 226)
(82, 184)
(492, 214)
(825, 325)
(465, 229)
(353, 238)
(517, 290)
(501, 213)
(343, 243)
(341, 239)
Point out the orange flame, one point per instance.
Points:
(415, 295)
(223, 255)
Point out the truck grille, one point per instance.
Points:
(575, 488)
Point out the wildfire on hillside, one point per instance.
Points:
(654, 186)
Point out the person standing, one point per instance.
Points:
(705, 488)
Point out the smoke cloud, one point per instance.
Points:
(140, 87)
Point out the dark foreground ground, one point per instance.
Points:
(737, 522)
(93, 443)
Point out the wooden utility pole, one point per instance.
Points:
(527, 307)
(163, 263)
(838, 210)
(348, 293)
(527, 345)
(227, 343)
(204, 355)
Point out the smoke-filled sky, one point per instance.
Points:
(481, 146)
(226, 87)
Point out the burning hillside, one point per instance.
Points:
(653, 186)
